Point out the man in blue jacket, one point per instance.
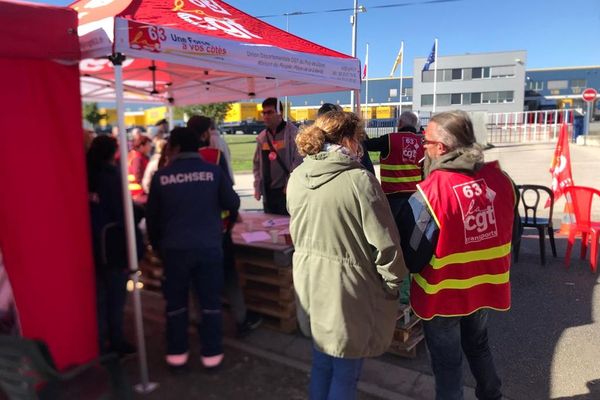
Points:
(184, 225)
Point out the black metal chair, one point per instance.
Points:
(27, 372)
(531, 195)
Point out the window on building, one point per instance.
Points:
(407, 91)
(558, 84)
(467, 74)
(476, 98)
(505, 96)
(480, 72)
(577, 85)
(456, 74)
(443, 99)
(505, 71)
(427, 76)
(487, 98)
(466, 98)
(535, 85)
(426, 99)
(393, 92)
(555, 92)
(456, 98)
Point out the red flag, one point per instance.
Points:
(560, 168)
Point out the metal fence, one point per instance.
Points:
(527, 126)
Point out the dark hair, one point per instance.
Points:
(200, 124)
(325, 108)
(102, 151)
(161, 122)
(184, 138)
(272, 102)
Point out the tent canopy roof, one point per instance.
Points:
(201, 51)
(50, 32)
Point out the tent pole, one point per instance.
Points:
(145, 386)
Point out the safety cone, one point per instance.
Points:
(568, 216)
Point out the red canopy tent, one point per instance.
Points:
(44, 219)
(201, 51)
(192, 52)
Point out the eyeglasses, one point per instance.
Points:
(426, 142)
(268, 112)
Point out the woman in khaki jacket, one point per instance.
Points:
(347, 260)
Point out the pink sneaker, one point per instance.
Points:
(177, 360)
(213, 361)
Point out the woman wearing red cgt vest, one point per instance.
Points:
(463, 213)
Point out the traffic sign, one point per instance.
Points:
(589, 94)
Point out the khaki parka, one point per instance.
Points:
(347, 263)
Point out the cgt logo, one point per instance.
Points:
(409, 150)
(476, 201)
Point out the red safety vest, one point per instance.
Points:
(400, 170)
(470, 266)
(135, 187)
(212, 156)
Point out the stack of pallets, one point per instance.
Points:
(408, 333)
(269, 290)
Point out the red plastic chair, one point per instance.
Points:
(582, 198)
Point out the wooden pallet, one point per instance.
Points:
(269, 290)
(258, 270)
(408, 333)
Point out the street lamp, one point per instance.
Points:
(354, 23)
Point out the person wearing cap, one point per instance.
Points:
(347, 259)
(275, 158)
(399, 156)
(456, 240)
(365, 160)
(184, 226)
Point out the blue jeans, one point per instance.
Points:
(203, 268)
(447, 338)
(333, 378)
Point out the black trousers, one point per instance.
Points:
(274, 201)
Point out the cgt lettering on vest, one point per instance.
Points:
(197, 176)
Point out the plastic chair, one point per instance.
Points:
(27, 371)
(531, 195)
(582, 198)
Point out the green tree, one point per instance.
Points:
(216, 111)
(91, 113)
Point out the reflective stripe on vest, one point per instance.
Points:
(134, 187)
(470, 266)
(399, 171)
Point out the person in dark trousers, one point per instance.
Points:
(246, 321)
(456, 240)
(275, 158)
(400, 155)
(184, 224)
(365, 160)
(109, 245)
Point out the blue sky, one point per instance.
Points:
(555, 33)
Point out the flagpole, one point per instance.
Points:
(401, 76)
(435, 63)
(367, 84)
